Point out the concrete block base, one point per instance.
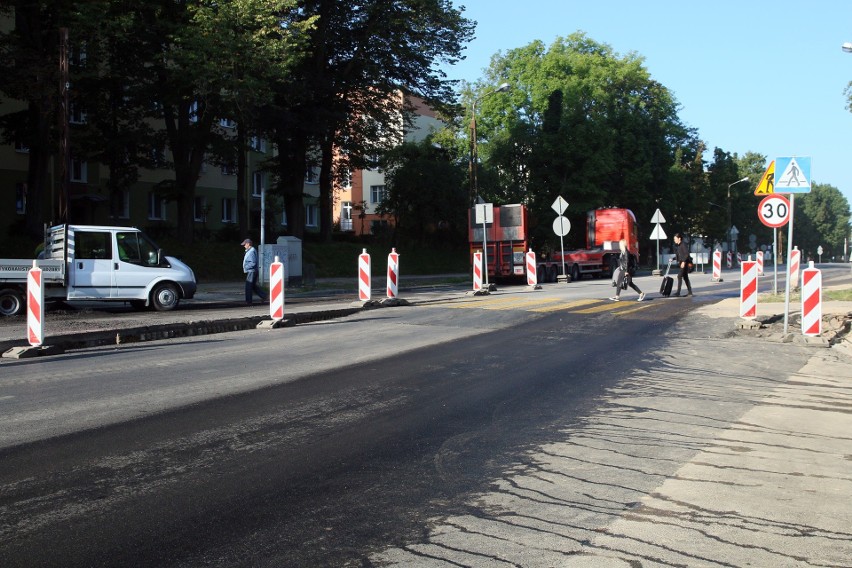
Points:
(29, 351)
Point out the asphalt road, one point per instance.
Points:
(444, 434)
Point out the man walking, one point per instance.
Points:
(250, 270)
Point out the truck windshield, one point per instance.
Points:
(136, 248)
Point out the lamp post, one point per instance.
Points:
(474, 155)
(730, 221)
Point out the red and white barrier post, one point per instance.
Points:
(477, 271)
(717, 266)
(276, 290)
(811, 300)
(532, 274)
(748, 289)
(730, 259)
(759, 257)
(393, 274)
(795, 262)
(35, 306)
(364, 276)
(739, 258)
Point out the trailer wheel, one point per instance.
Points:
(11, 302)
(575, 273)
(164, 297)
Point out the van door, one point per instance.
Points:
(136, 266)
(91, 265)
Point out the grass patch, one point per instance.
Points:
(796, 296)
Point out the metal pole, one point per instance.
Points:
(789, 252)
(775, 256)
(484, 251)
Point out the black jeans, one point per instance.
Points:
(683, 275)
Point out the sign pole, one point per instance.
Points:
(789, 252)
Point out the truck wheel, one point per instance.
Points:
(11, 302)
(164, 297)
(575, 273)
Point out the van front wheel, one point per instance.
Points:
(164, 297)
(11, 302)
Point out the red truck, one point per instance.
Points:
(507, 239)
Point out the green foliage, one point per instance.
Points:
(821, 218)
(340, 259)
(426, 195)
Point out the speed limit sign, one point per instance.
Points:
(774, 210)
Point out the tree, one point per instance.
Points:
(425, 192)
(29, 65)
(346, 99)
(580, 121)
(821, 218)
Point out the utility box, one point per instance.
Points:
(289, 252)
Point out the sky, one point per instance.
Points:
(749, 75)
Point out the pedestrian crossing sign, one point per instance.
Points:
(767, 182)
(795, 176)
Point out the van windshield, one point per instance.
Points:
(136, 248)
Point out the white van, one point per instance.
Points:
(91, 262)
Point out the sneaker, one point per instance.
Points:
(615, 299)
(641, 296)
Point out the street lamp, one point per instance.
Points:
(730, 222)
(474, 155)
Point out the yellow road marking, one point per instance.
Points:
(565, 306)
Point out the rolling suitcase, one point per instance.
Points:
(668, 282)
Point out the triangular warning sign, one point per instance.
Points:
(658, 234)
(792, 177)
(767, 182)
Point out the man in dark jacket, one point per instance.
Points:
(683, 259)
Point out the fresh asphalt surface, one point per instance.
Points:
(304, 447)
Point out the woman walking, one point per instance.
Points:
(628, 267)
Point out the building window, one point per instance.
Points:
(229, 210)
(79, 170)
(21, 147)
(311, 215)
(229, 169)
(227, 123)
(20, 198)
(312, 175)
(258, 184)
(76, 114)
(193, 112)
(379, 227)
(346, 216)
(121, 204)
(377, 193)
(258, 144)
(345, 178)
(156, 207)
(200, 209)
(158, 157)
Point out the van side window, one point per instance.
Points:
(134, 248)
(90, 245)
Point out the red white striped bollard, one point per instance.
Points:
(364, 276)
(276, 290)
(748, 289)
(811, 300)
(532, 276)
(393, 274)
(739, 258)
(759, 257)
(35, 306)
(795, 262)
(717, 266)
(730, 259)
(477, 271)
